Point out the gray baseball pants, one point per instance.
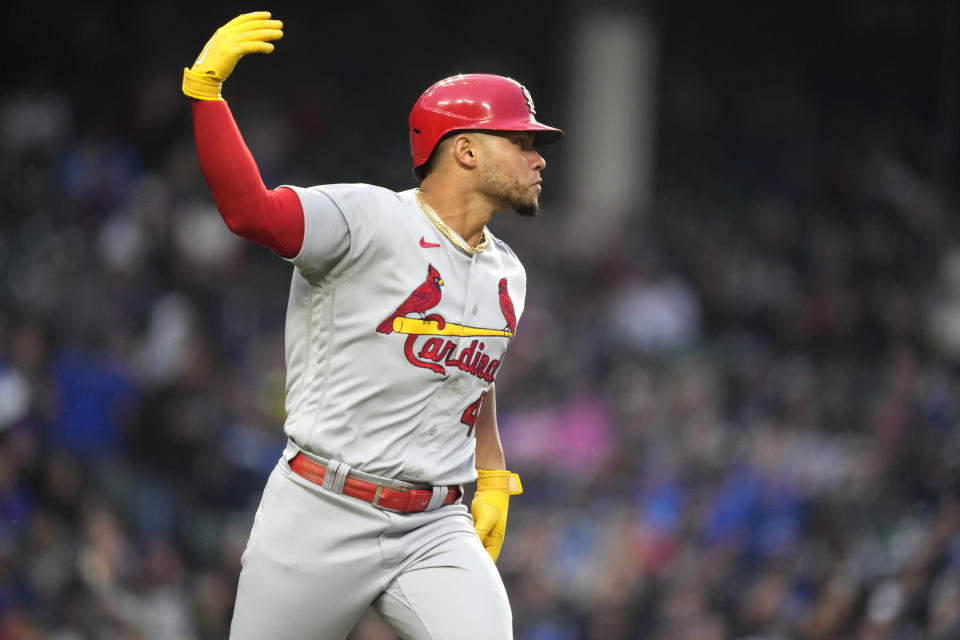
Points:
(316, 560)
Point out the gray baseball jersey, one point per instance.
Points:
(393, 334)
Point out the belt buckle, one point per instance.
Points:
(376, 497)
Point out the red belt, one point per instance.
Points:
(383, 496)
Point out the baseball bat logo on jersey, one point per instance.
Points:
(438, 352)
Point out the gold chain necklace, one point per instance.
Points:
(451, 235)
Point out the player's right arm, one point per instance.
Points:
(273, 218)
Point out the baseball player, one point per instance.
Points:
(401, 308)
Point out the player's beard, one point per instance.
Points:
(510, 192)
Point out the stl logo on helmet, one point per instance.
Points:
(526, 94)
(437, 351)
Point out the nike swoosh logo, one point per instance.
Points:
(203, 54)
(428, 245)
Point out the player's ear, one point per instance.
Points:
(464, 148)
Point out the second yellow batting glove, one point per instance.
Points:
(247, 33)
(489, 507)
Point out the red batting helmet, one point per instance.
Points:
(473, 101)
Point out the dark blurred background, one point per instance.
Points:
(733, 397)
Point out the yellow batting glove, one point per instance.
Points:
(489, 507)
(247, 33)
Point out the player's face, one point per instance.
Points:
(512, 176)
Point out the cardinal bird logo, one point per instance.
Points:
(506, 306)
(423, 298)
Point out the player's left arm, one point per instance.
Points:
(495, 484)
(488, 448)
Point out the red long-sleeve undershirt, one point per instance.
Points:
(271, 217)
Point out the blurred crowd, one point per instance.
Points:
(740, 421)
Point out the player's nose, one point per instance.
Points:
(538, 164)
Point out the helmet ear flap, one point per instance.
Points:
(469, 102)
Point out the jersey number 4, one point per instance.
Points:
(470, 414)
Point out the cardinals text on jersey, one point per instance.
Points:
(437, 352)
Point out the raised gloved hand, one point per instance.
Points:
(489, 507)
(247, 33)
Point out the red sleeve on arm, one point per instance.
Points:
(273, 218)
